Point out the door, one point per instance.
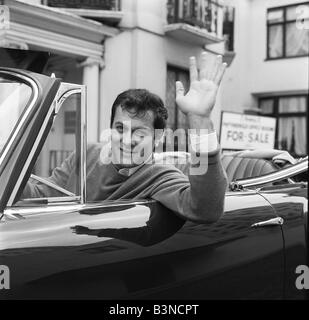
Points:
(143, 251)
(291, 203)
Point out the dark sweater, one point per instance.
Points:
(198, 198)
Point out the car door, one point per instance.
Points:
(135, 258)
(290, 200)
(287, 192)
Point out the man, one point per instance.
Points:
(129, 171)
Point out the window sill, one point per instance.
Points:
(283, 58)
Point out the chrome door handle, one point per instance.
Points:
(271, 222)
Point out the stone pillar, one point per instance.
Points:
(91, 78)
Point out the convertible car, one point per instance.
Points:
(144, 251)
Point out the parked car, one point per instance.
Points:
(145, 251)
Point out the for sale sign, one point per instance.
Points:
(243, 131)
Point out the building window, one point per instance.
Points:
(228, 27)
(291, 115)
(69, 122)
(176, 118)
(284, 39)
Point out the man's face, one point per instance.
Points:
(132, 138)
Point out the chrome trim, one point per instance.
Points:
(35, 90)
(52, 185)
(65, 90)
(58, 199)
(284, 173)
(83, 143)
(271, 222)
(35, 210)
(67, 207)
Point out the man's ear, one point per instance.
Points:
(159, 136)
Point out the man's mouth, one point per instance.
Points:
(127, 151)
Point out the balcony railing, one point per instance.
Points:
(201, 13)
(112, 5)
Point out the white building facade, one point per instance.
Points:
(140, 44)
(113, 45)
(269, 75)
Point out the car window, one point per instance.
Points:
(56, 170)
(14, 97)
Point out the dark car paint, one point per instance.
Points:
(228, 259)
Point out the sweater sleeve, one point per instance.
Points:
(59, 176)
(198, 197)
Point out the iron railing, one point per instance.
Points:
(201, 13)
(112, 5)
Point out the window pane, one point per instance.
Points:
(267, 106)
(14, 97)
(292, 135)
(297, 40)
(275, 44)
(275, 16)
(292, 13)
(58, 145)
(294, 104)
(57, 158)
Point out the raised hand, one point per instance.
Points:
(201, 97)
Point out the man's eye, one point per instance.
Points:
(139, 133)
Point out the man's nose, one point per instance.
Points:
(129, 140)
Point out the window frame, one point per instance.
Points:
(276, 114)
(284, 24)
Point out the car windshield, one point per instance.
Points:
(14, 97)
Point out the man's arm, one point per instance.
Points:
(202, 200)
(59, 176)
(199, 199)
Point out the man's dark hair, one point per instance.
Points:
(138, 102)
